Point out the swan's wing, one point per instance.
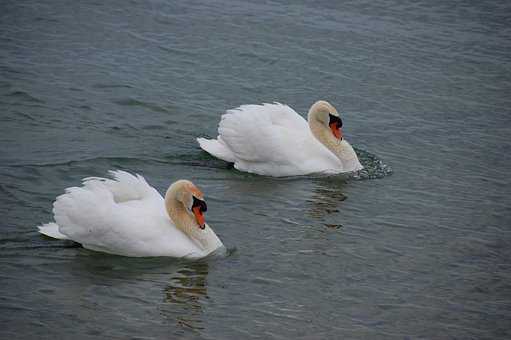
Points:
(85, 213)
(243, 132)
(262, 133)
(103, 211)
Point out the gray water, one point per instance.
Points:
(423, 88)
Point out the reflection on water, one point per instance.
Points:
(325, 200)
(182, 283)
(115, 269)
(185, 294)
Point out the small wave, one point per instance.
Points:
(24, 96)
(135, 102)
(200, 159)
(122, 160)
(373, 166)
(111, 86)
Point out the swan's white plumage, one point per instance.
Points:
(274, 140)
(124, 216)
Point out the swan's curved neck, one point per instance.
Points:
(325, 137)
(340, 148)
(205, 238)
(179, 214)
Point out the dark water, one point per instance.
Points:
(423, 87)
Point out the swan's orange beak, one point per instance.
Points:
(336, 130)
(199, 217)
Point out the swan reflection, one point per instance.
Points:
(325, 200)
(185, 295)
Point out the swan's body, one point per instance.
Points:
(126, 216)
(274, 140)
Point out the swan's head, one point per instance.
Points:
(327, 115)
(191, 198)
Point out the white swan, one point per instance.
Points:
(274, 140)
(126, 216)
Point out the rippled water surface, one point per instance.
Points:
(423, 87)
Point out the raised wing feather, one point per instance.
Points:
(123, 186)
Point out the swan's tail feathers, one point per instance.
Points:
(217, 148)
(52, 230)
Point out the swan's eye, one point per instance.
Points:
(335, 120)
(199, 203)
